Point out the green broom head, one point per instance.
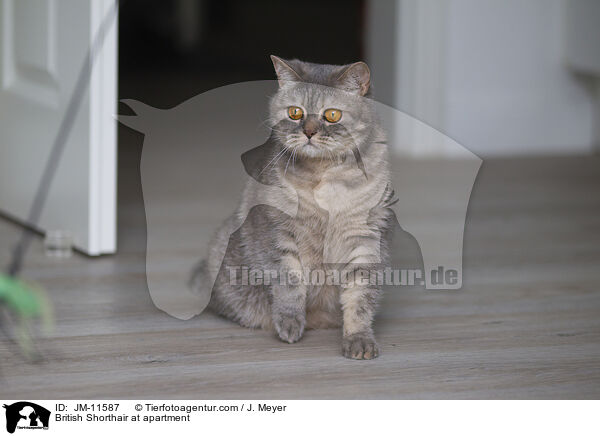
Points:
(25, 302)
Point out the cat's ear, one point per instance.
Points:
(285, 73)
(355, 78)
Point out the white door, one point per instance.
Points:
(43, 44)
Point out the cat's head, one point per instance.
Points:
(320, 111)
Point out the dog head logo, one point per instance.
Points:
(207, 148)
(26, 415)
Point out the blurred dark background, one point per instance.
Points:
(172, 50)
(502, 78)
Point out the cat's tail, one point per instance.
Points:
(200, 283)
(198, 278)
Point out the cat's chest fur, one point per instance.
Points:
(326, 206)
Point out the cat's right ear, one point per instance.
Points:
(285, 73)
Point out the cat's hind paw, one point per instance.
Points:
(289, 327)
(360, 346)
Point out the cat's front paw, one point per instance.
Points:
(360, 346)
(289, 327)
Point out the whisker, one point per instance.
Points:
(331, 156)
(278, 159)
(269, 120)
(286, 165)
(294, 158)
(278, 154)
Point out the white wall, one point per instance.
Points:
(491, 74)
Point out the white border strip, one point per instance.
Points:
(281, 417)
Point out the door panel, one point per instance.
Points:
(43, 47)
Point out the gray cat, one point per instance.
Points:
(327, 148)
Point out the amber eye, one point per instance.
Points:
(332, 115)
(295, 112)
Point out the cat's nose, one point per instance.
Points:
(310, 127)
(309, 133)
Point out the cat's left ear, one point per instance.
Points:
(285, 72)
(355, 78)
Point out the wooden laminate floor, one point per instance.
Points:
(525, 325)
